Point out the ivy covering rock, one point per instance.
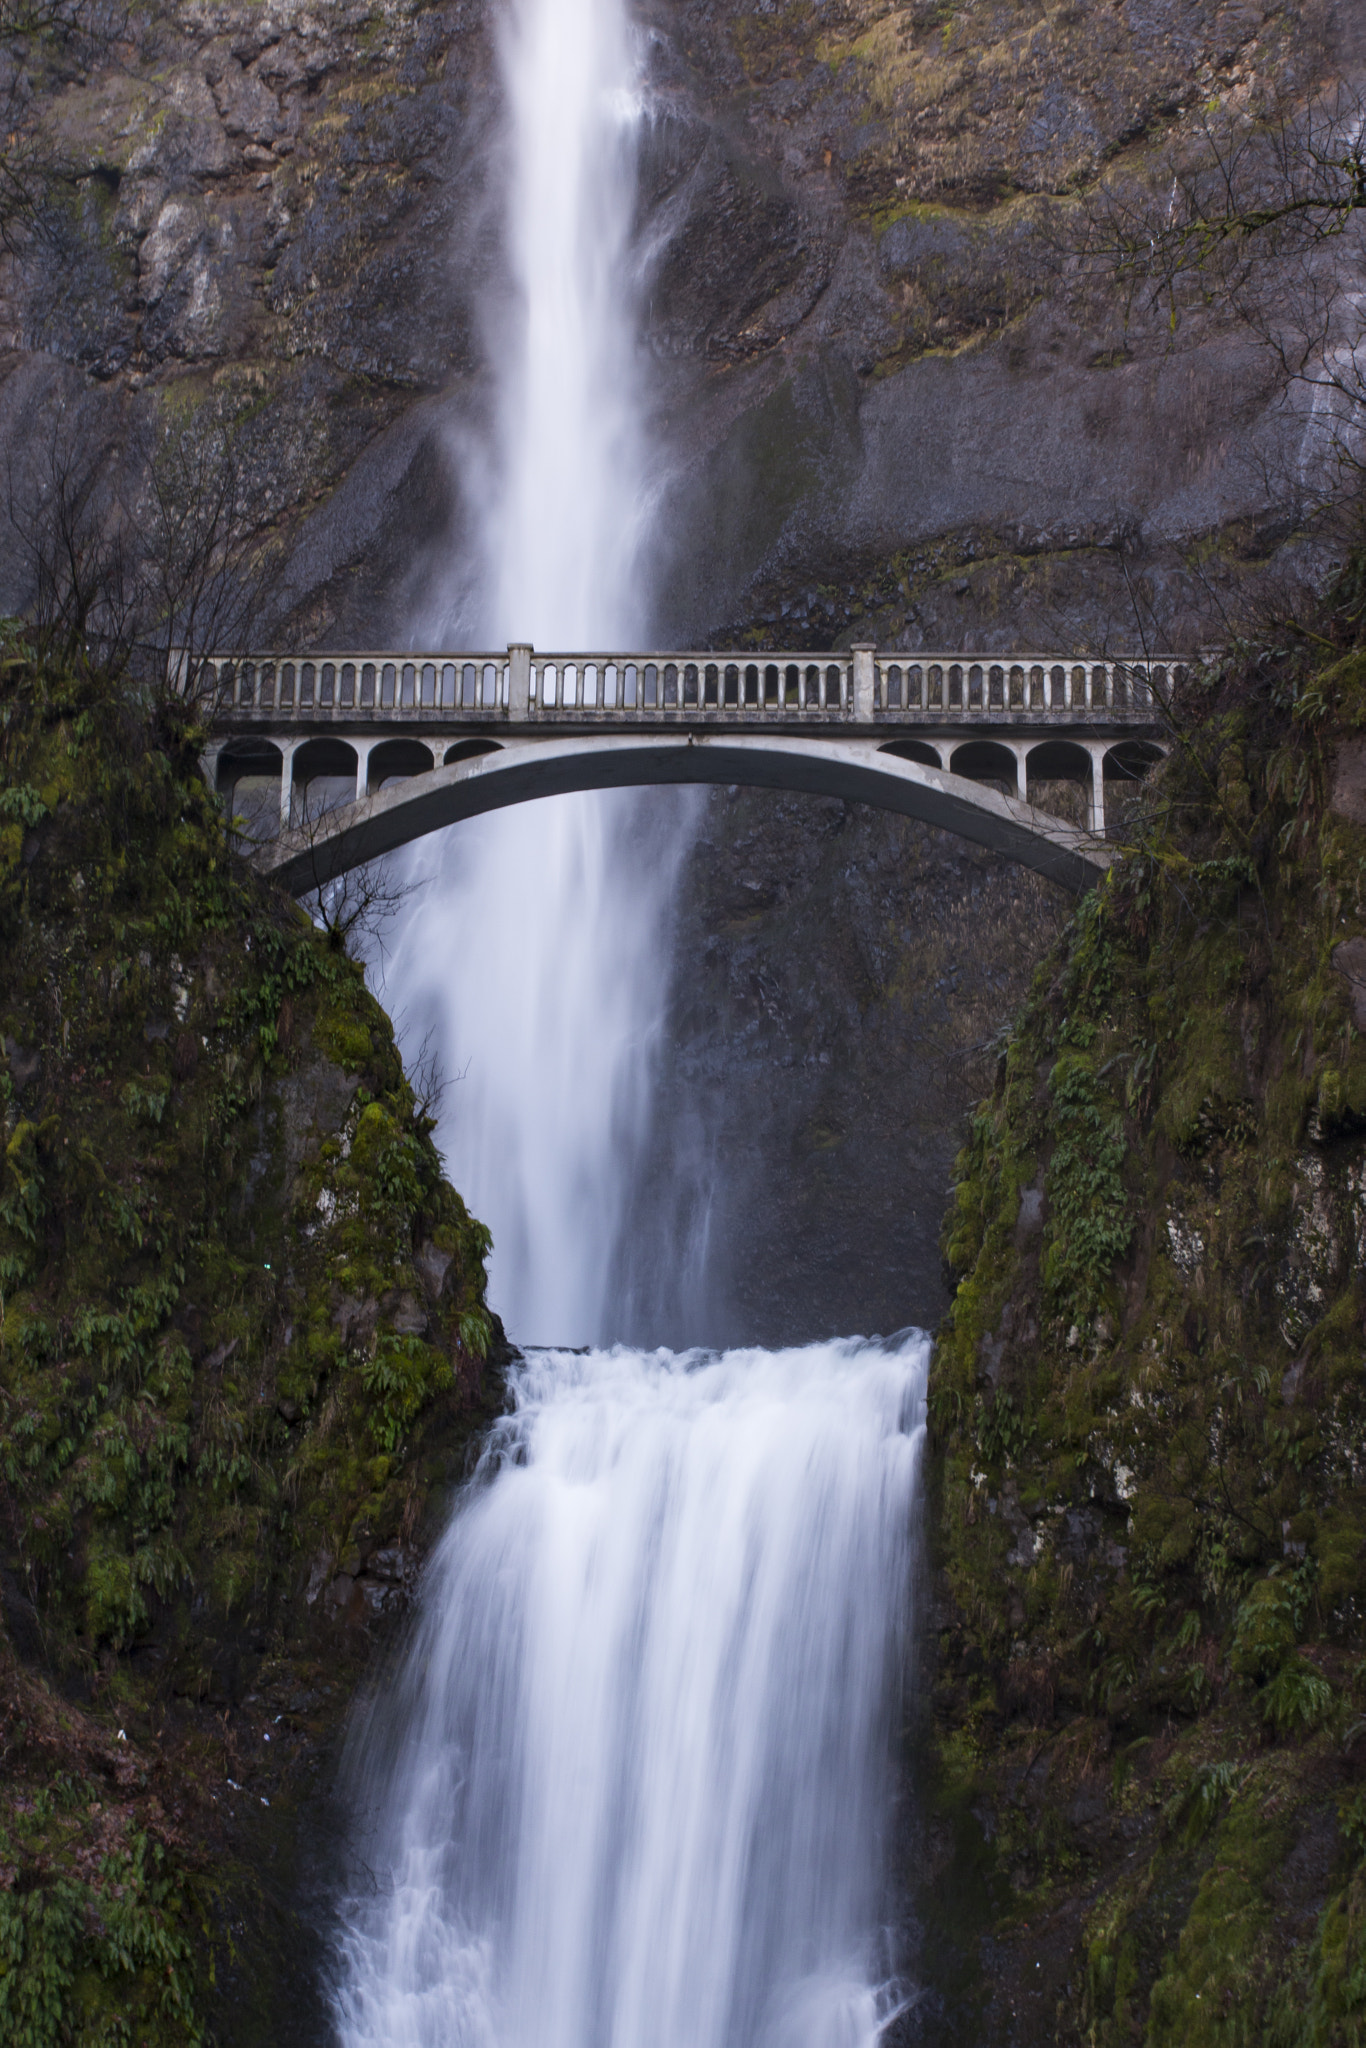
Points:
(243, 1348)
(1148, 1403)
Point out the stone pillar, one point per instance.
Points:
(363, 749)
(1097, 750)
(519, 679)
(287, 752)
(863, 652)
(1020, 749)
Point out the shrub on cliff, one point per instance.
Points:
(242, 1332)
(1157, 1560)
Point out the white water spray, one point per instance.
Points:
(538, 944)
(630, 1792)
(629, 1785)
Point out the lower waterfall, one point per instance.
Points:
(629, 1787)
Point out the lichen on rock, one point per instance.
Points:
(1148, 1403)
(243, 1348)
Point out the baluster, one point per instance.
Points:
(348, 685)
(996, 689)
(367, 685)
(327, 686)
(388, 679)
(1076, 692)
(308, 676)
(287, 684)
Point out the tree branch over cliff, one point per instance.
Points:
(142, 543)
(1259, 215)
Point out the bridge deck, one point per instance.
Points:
(336, 758)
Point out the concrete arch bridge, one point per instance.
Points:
(335, 759)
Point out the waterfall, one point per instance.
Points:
(629, 1791)
(536, 946)
(627, 1785)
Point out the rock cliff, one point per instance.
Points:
(1146, 1816)
(878, 401)
(243, 1350)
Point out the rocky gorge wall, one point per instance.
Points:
(841, 980)
(244, 1352)
(878, 404)
(1144, 1820)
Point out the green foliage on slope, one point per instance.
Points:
(1149, 1403)
(242, 1333)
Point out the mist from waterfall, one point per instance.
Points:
(631, 1788)
(627, 1785)
(536, 949)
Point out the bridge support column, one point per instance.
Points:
(363, 751)
(863, 652)
(1097, 749)
(1020, 749)
(519, 679)
(288, 749)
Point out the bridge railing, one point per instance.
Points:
(520, 684)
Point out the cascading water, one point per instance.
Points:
(629, 1793)
(537, 945)
(627, 1789)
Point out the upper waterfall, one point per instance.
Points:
(538, 949)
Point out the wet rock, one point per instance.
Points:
(25, 1062)
(407, 1316)
(1349, 959)
(432, 1267)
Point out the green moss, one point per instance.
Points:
(1149, 1393)
(214, 1184)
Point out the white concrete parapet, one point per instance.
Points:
(744, 687)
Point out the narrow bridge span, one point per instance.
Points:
(336, 759)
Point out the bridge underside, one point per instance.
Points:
(519, 770)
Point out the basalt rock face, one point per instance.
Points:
(244, 1354)
(842, 976)
(1144, 1819)
(877, 406)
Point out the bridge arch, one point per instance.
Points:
(1130, 760)
(323, 776)
(395, 761)
(522, 769)
(986, 761)
(923, 751)
(249, 778)
(469, 750)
